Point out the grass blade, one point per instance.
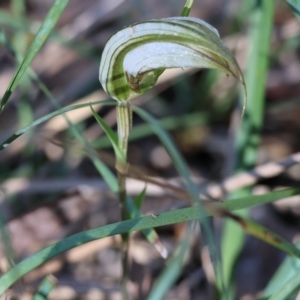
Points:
(262, 233)
(250, 201)
(111, 135)
(133, 208)
(47, 117)
(292, 286)
(295, 7)
(139, 199)
(248, 135)
(192, 189)
(40, 38)
(169, 123)
(6, 43)
(287, 270)
(6, 242)
(7, 19)
(146, 222)
(45, 288)
(171, 273)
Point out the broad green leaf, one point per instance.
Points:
(146, 222)
(40, 38)
(136, 56)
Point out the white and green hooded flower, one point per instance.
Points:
(136, 56)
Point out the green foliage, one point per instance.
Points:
(285, 282)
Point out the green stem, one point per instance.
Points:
(187, 8)
(124, 119)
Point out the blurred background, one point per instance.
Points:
(50, 189)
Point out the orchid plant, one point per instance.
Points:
(135, 57)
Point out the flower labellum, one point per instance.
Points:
(137, 55)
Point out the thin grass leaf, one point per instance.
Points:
(174, 267)
(287, 270)
(168, 123)
(40, 38)
(295, 7)
(6, 43)
(7, 19)
(47, 117)
(87, 236)
(250, 201)
(139, 199)
(133, 208)
(287, 289)
(107, 175)
(171, 148)
(248, 133)
(111, 135)
(192, 189)
(6, 242)
(262, 233)
(233, 239)
(45, 288)
(18, 8)
(81, 48)
(146, 222)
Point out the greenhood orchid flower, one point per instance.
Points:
(137, 55)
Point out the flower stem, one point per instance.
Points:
(124, 120)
